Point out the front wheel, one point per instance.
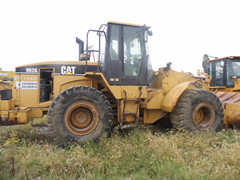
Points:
(198, 110)
(79, 114)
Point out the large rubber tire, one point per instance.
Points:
(79, 114)
(198, 110)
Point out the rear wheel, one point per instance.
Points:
(79, 114)
(198, 110)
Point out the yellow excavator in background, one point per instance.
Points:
(223, 79)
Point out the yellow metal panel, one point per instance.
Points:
(38, 112)
(231, 118)
(27, 90)
(6, 105)
(118, 91)
(151, 116)
(169, 79)
(15, 91)
(132, 91)
(44, 104)
(156, 101)
(236, 84)
(64, 82)
(27, 96)
(4, 115)
(22, 114)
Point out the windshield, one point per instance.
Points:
(233, 69)
(133, 50)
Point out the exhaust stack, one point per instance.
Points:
(81, 47)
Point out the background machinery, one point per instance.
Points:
(223, 79)
(111, 84)
(7, 77)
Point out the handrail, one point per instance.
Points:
(99, 46)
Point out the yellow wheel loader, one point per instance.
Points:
(111, 84)
(223, 79)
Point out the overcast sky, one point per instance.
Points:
(183, 30)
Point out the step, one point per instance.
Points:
(39, 125)
(131, 100)
(129, 113)
(128, 126)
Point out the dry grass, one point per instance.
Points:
(137, 154)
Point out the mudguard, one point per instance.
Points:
(171, 98)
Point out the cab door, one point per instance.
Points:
(112, 67)
(217, 73)
(134, 59)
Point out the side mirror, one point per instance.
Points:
(147, 32)
(150, 33)
(168, 66)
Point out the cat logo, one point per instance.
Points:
(68, 70)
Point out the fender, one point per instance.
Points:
(81, 81)
(170, 100)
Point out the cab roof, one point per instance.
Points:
(128, 24)
(228, 57)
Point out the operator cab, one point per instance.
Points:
(126, 58)
(223, 71)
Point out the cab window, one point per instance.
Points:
(133, 53)
(114, 43)
(217, 73)
(233, 69)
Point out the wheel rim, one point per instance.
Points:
(203, 116)
(81, 118)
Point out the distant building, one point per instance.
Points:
(0, 69)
